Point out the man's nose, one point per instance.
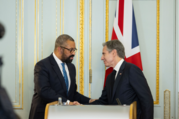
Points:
(102, 57)
(73, 52)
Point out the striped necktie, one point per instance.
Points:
(65, 76)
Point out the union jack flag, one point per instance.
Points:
(125, 30)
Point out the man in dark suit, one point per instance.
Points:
(126, 83)
(54, 77)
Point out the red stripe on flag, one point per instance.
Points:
(121, 15)
(114, 36)
(135, 59)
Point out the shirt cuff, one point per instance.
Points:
(68, 101)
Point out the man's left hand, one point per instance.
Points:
(92, 100)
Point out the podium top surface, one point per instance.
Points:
(88, 112)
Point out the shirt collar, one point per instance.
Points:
(117, 67)
(57, 59)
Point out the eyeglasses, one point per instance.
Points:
(71, 50)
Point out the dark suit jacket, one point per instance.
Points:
(50, 84)
(130, 85)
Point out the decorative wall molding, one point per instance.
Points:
(19, 63)
(36, 32)
(107, 21)
(90, 49)
(157, 53)
(56, 18)
(60, 15)
(63, 18)
(82, 46)
(41, 29)
(166, 104)
(77, 31)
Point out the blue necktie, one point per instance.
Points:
(65, 76)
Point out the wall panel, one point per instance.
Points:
(13, 50)
(98, 37)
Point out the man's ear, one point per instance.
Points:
(114, 52)
(59, 49)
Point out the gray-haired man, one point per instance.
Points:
(126, 83)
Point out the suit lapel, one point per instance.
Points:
(118, 78)
(111, 84)
(58, 71)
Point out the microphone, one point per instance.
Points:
(118, 101)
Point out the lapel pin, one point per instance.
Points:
(120, 74)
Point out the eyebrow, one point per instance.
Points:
(72, 48)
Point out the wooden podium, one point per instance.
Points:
(54, 111)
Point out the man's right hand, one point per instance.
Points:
(74, 103)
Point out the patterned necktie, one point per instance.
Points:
(65, 76)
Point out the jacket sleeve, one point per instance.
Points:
(77, 96)
(139, 84)
(81, 98)
(103, 100)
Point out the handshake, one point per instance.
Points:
(77, 103)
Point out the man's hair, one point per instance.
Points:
(115, 44)
(62, 39)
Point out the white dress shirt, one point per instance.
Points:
(59, 62)
(117, 67)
